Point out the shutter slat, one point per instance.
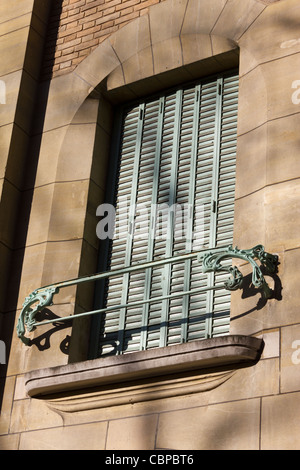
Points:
(179, 150)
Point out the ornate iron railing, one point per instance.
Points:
(211, 262)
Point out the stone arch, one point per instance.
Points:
(175, 33)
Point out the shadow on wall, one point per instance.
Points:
(52, 34)
(248, 290)
(42, 342)
(8, 322)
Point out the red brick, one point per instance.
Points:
(83, 25)
(77, 60)
(65, 64)
(127, 18)
(71, 25)
(108, 11)
(90, 11)
(67, 51)
(107, 24)
(66, 58)
(84, 52)
(105, 32)
(110, 3)
(68, 39)
(76, 17)
(146, 4)
(87, 32)
(88, 25)
(91, 4)
(70, 31)
(95, 16)
(86, 44)
(127, 4)
(71, 43)
(74, 12)
(78, 2)
(126, 11)
(110, 17)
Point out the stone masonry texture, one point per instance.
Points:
(77, 27)
(55, 142)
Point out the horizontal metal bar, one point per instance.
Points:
(211, 260)
(129, 305)
(129, 269)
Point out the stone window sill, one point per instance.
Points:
(232, 350)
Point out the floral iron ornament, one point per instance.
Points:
(212, 263)
(211, 260)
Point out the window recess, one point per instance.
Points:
(174, 196)
(165, 278)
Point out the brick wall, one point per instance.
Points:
(76, 27)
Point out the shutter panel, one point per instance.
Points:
(162, 246)
(226, 192)
(176, 151)
(136, 321)
(112, 323)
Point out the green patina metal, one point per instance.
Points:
(34, 303)
(211, 262)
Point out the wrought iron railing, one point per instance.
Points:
(211, 262)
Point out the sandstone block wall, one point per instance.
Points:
(55, 136)
(77, 27)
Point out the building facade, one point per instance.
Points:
(67, 68)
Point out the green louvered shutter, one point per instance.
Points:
(177, 150)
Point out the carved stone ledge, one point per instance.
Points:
(156, 388)
(87, 377)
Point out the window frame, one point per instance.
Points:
(112, 175)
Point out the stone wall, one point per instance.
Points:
(245, 406)
(77, 27)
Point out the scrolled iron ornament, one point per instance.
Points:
(212, 262)
(42, 298)
(235, 281)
